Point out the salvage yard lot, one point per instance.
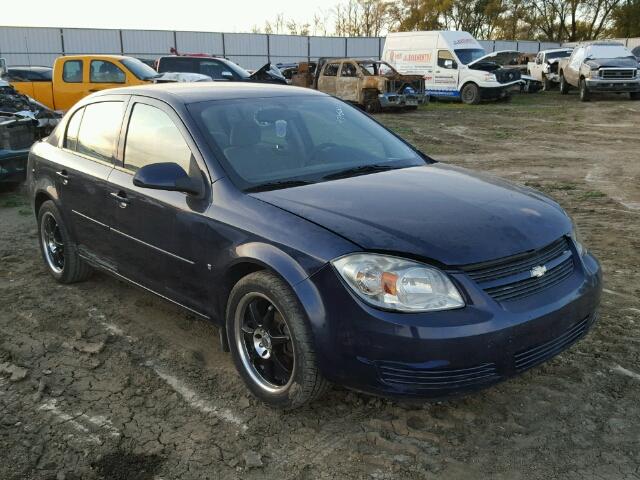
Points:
(101, 380)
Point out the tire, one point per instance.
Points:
(470, 94)
(634, 95)
(584, 91)
(564, 86)
(59, 252)
(286, 376)
(373, 106)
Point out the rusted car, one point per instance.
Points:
(371, 84)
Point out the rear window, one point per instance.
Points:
(177, 64)
(73, 127)
(72, 71)
(99, 129)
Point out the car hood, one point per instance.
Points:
(438, 212)
(501, 57)
(625, 62)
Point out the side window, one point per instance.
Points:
(72, 71)
(446, 60)
(99, 130)
(213, 69)
(152, 137)
(331, 70)
(73, 127)
(348, 70)
(539, 58)
(102, 71)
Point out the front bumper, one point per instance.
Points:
(397, 100)
(598, 85)
(13, 165)
(439, 354)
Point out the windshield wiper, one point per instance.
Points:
(276, 185)
(361, 170)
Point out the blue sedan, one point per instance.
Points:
(324, 247)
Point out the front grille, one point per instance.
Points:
(511, 278)
(506, 75)
(434, 379)
(617, 73)
(540, 353)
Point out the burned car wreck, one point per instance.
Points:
(22, 122)
(371, 84)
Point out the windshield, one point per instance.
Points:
(141, 70)
(552, 55)
(607, 51)
(377, 68)
(468, 55)
(271, 142)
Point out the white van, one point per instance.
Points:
(453, 64)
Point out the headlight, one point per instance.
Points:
(489, 77)
(577, 240)
(595, 74)
(398, 284)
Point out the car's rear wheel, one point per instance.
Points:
(564, 86)
(271, 343)
(58, 251)
(373, 106)
(470, 94)
(584, 91)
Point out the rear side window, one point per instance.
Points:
(73, 127)
(99, 129)
(102, 71)
(152, 137)
(177, 64)
(331, 70)
(72, 71)
(213, 69)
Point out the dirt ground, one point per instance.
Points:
(100, 380)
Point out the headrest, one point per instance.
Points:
(244, 134)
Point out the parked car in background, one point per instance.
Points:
(452, 63)
(76, 76)
(29, 74)
(595, 67)
(636, 52)
(545, 67)
(219, 69)
(325, 247)
(371, 84)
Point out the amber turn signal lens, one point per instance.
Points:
(389, 281)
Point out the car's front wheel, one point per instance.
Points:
(584, 91)
(470, 94)
(58, 251)
(564, 86)
(271, 343)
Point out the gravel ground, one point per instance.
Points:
(100, 380)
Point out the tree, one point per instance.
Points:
(625, 19)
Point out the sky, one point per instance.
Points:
(198, 15)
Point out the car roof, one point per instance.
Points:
(552, 50)
(186, 93)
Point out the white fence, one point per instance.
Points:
(40, 46)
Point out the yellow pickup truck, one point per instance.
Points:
(76, 76)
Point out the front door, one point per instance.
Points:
(348, 83)
(157, 233)
(445, 77)
(104, 74)
(86, 160)
(328, 77)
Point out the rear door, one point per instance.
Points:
(159, 234)
(328, 78)
(85, 161)
(69, 82)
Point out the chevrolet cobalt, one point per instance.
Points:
(324, 247)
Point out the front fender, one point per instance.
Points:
(269, 256)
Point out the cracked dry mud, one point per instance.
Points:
(101, 380)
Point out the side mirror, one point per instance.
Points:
(167, 176)
(449, 63)
(227, 75)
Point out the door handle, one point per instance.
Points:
(65, 177)
(121, 198)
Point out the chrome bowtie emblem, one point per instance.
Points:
(538, 271)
